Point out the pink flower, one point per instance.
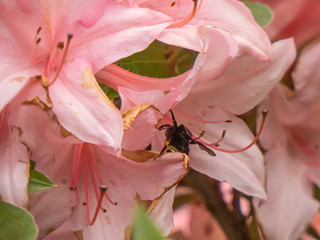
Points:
(80, 168)
(218, 38)
(294, 18)
(291, 140)
(62, 43)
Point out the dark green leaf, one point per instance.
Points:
(38, 181)
(144, 229)
(110, 92)
(16, 223)
(261, 13)
(151, 62)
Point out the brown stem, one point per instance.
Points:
(233, 223)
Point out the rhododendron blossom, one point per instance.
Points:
(291, 140)
(94, 185)
(216, 36)
(60, 43)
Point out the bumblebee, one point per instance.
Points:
(178, 139)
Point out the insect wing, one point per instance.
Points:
(205, 148)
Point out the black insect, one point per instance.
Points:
(178, 139)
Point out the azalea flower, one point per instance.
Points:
(293, 19)
(292, 156)
(218, 38)
(62, 43)
(84, 170)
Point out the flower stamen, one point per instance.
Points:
(103, 189)
(69, 37)
(254, 141)
(85, 154)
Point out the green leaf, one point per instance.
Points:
(144, 229)
(38, 181)
(261, 13)
(16, 223)
(110, 92)
(151, 62)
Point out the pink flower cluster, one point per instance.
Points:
(53, 54)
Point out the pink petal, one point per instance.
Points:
(140, 132)
(83, 109)
(245, 83)
(120, 32)
(116, 77)
(290, 206)
(62, 233)
(14, 176)
(53, 157)
(126, 180)
(215, 60)
(239, 22)
(160, 99)
(14, 72)
(306, 73)
(162, 213)
(244, 170)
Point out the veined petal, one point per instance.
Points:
(140, 126)
(245, 170)
(161, 211)
(239, 22)
(127, 181)
(120, 32)
(14, 177)
(83, 109)
(116, 77)
(290, 206)
(246, 82)
(214, 61)
(160, 99)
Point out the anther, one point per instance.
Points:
(69, 37)
(38, 41)
(264, 116)
(188, 18)
(39, 29)
(73, 188)
(60, 45)
(216, 144)
(103, 189)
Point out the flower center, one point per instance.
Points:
(53, 59)
(84, 154)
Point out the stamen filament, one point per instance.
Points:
(221, 138)
(264, 115)
(75, 170)
(188, 18)
(84, 170)
(103, 189)
(69, 37)
(98, 174)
